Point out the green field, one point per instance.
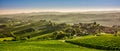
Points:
(108, 42)
(48, 45)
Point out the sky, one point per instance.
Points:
(18, 6)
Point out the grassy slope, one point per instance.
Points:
(41, 36)
(100, 42)
(51, 45)
(34, 25)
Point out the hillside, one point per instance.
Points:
(107, 42)
(42, 29)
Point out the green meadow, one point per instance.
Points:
(47, 45)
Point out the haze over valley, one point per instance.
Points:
(106, 18)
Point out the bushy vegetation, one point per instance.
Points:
(107, 42)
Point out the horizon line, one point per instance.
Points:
(17, 11)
